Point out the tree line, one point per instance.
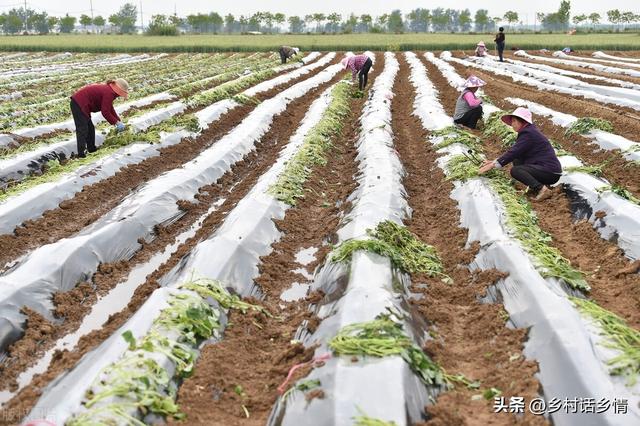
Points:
(419, 20)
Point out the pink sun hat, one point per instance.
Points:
(520, 112)
(344, 62)
(474, 81)
(481, 43)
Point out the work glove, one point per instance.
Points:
(119, 127)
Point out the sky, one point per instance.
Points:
(526, 9)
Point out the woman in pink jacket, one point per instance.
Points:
(468, 106)
(360, 66)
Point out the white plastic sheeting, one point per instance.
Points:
(560, 54)
(249, 229)
(34, 202)
(603, 55)
(581, 64)
(59, 266)
(617, 95)
(572, 363)
(383, 388)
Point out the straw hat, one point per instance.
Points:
(481, 44)
(520, 112)
(120, 86)
(474, 81)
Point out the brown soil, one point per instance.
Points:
(602, 262)
(469, 337)
(96, 200)
(233, 186)
(635, 80)
(625, 120)
(208, 398)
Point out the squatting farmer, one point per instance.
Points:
(94, 98)
(287, 52)
(468, 106)
(481, 49)
(360, 66)
(500, 42)
(535, 163)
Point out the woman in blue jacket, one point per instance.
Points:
(535, 163)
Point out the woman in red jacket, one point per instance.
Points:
(94, 98)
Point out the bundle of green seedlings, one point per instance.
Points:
(621, 191)
(401, 246)
(619, 336)
(596, 170)
(363, 420)
(522, 222)
(137, 382)
(584, 125)
(290, 184)
(453, 134)
(385, 337)
(54, 169)
(494, 126)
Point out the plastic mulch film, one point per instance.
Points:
(566, 346)
(251, 220)
(59, 266)
(570, 60)
(360, 291)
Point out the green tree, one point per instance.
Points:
(296, 24)
(396, 24)
(351, 24)
(229, 23)
(511, 17)
(268, 19)
(67, 23)
(318, 18)
(334, 21)
(465, 20)
(279, 19)
(614, 16)
(12, 23)
(52, 21)
(216, 21)
(578, 19)
(161, 26)
(243, 21)
(85, 20)
(39, 22)
(564, 13)
(595, 19)
(99, 22)
(382, 22)
(127, 16)
(365, 23)
(481, 20)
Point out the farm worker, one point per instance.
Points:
(287, 52)
(500, 38)
(481, 49)
(360, 66)
(468, 106)
(567, 50)
(94, 98)
(535, 163)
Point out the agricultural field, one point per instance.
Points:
(326, 42)
(265, 244)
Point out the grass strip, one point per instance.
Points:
(290, 184)
(400, 245)
(137, 381)
(584, 125)
(618, 336)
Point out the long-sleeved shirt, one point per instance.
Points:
(466, 102)
(355, 64)
(97, 97)
(500, 37)
(287, 51)
(481, 51)
(532, 148)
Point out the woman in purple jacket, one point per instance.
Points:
(535, 163)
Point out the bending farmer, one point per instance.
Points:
(469, 106)
(94, 98)
(359, 65)
(500, 38)
(287, 52)
(534, 161)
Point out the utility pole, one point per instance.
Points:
(91, 3)
(141, 18)
(25, 15)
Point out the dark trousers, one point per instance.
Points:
(363, 74)
(470, 118)
(85, 132)
(533, 176)
(500, 50)
(283, 56)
